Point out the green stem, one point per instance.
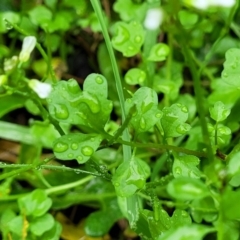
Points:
(199, 99)
(126, 135)
(59, 189)
(24, 169)
(223, 32)
(38, 46)
(163, 147)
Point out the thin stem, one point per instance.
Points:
(26, 168)
(126, 135)
(68, 186)
(224, 31)
(163, 147)
(38, 46)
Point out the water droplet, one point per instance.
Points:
(103, 168)
(79, 158)
(178, 170)
(70, 155)
(142, 123)
(181, 129)
(122, 35)
(73, 86)
(69, 139)
(158, 115)
(179, 105)
(184, 109)
(116, 184)
(87, 151)
(92, 139)
(61, 111)
(184, 214)
(138, 39)
(131, 48)
(74, 146)
(234, 66)
(225, 75)
(110, 105)
(99, 80)
(91, 101)
(8, 25)
(81, 115)
(49, 100)
(129, 100)
(60, 147)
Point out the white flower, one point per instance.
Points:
(153, 19)
(204, 4)
(41, 89)
(28, 45)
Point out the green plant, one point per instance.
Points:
(159, 148)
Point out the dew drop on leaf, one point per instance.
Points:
(73, 86)
(79, 158)
(178, 170)
(138, 39)
(184, 109)
(99, 80)
(158, 115)
(60, 147)
(92, 139)
(70, 155)
(116, 184)
(181, 129)
(87, 151)
(74, 146)
(61, 111)
(122, 35)
(225, 74)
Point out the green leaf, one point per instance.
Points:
(6, 217)
(50, 133)
(36, 203)
(41, 224)
(231, 72)
(15, 132)
(10, 103)
(11, 16)
(173, 120)
(40, 15)
(77, 146)
(159, 52)
(54, 233)
(186, 166)
(16, 225)
(188, 232)
(68, 104)
(130, 207)
(223, 134)
(185, 188)
(128, 10)
(130, 176)
(164, 222)
(230, 203)
(99, 222)
(135, 76)
(128, 38)
(219, 112)
(204, 209)
(234, 164)
(147, 113)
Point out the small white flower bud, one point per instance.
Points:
(28, 45)
(41, 89)
(153, 19)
